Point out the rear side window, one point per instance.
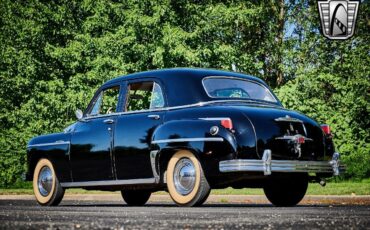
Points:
(144, 96)
(234, 88)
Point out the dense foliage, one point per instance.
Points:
(54, 54)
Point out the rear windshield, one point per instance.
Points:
(223, 87)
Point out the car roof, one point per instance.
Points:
(182, 86)
(175, 73)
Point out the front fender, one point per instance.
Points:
(54, 147)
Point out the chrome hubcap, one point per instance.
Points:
(45, 181)
(184, 176)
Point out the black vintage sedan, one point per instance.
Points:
(185, 131)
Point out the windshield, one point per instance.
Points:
(223, 87)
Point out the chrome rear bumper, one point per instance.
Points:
(267, 166)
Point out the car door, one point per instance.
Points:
(134, 129)
(91, 141)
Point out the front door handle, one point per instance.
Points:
(154, 116)
(108, 121)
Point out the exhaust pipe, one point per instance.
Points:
(322, 182)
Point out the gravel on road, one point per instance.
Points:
(220, 212)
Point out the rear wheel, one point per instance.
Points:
(205, 197)
(46, 186)
(135, 197)
(287, 190)
(186, 182)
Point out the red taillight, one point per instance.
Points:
(227, 123)
(326, 129)
(301, 140)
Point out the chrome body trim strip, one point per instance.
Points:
(180, 107)
(208, 139)
(268, 166)
(214, 118)
(108, 183)
(293, 138)
(51, 143)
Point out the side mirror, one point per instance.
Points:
(79, 114)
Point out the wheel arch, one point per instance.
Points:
(54, 147)
(59, 159)
(193, 135)
(165, 155)
(32, 160)
(210, 168)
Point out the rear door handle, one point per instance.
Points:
(108, 121)
(154, 116)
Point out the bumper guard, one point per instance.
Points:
(267, 166)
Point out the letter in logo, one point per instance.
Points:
(338, 18)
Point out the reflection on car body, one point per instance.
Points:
(185, 131)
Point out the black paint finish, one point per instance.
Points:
(91, 150)
(132, 139)
(57, 154)
(120, 150)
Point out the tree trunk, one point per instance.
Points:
(280, 37)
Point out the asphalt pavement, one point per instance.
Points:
(219, 212)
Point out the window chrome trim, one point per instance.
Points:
(139, 81)
(50, 144)
(241, 79)
(208, 139)
(108, 183)
(199, 104)
(98, 116)
(151, 99)
(98, 93)
(99, 99)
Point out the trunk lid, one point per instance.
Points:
(288, 134)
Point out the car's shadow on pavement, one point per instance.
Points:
(175, 206)
(117, 204)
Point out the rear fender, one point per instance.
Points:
(195, 136)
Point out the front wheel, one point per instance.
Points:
(135, 197)
(186, 181)
(285, 191)
(46, 187)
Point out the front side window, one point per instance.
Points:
(106, 102)
(234, 88)
(144, 96)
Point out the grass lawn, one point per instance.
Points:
(331, 188)
(342, 188)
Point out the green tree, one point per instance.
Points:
(54, 55)
(330, 82)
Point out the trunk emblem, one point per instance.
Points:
(287, 118)
(296, 140)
